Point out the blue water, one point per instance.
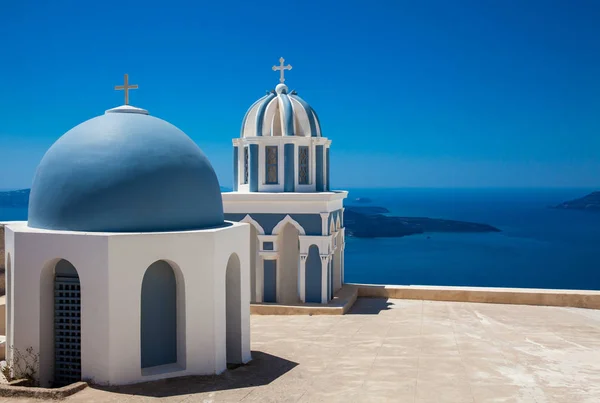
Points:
(13, 214)
(538, 246)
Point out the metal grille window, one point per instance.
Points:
(246, 164)
(67, 330)
(271, 161)
(303, 165)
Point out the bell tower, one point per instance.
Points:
(281, 186)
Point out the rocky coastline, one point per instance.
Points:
(372, 222)
(590, 202)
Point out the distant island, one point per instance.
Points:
(590, 202)
(362, 221)
(370, 222)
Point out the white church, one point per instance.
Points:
(281, 187)
(133, 266)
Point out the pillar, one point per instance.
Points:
(302, 277)
(320, 179)
(327, 186)
(331, 261)
(235, 168)
(260, 279)
(253, 167)
(288, 168)
(324, 278)
(342, 262)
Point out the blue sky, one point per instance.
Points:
(441, 93)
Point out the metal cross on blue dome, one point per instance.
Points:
(282, 69)
(126, 87)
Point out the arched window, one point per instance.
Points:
(303, 166)
(271, 168)
(158, 316)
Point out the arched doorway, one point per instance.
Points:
(158, 327)
(67, 324)
(233, 310)
(313, 275)
(287, 270)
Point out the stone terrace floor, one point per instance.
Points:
(403, 351)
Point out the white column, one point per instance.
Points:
(277, 280)
(302, 277)
(260, 278)
(342, 262)
(324, 277)
(324, 227)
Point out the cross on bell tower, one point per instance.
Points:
(126, 87)
(282, 68)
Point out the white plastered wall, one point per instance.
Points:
(34, 254)
(111, 268)
(227, 243)
(321, 203)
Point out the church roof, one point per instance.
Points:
(281, 113)
(125, 171)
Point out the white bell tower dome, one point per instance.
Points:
(281, 148)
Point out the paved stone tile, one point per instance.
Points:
(404, 351)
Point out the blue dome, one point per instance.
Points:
(125, 171)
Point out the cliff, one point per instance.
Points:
(590, 202)
(370, 222)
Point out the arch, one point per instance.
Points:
(288, 247)
(287, 220)
(248, 219)
(158, 315)
(60, 323)
(313, 275)
(233, 310)
(255, 230)
(338, 223)
(331, 226)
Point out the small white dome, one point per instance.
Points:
(280, 113)
(281, 89)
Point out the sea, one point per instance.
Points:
(539, 247)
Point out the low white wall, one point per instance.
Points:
(489, 295)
